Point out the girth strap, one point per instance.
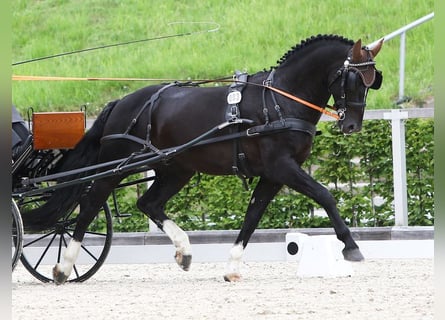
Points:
(291, 124)
(234, 96)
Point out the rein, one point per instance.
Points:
(267, 86)
(302, 101)
(294, 98)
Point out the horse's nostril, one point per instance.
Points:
(351, 128)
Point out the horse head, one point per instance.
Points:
(351, 84)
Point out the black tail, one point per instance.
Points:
(64, 200)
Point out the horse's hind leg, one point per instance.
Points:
(90, 204)
(264, 192)
(169, 181)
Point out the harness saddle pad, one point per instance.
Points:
(57, 130)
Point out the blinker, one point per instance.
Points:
(377, 81)
(371, 77)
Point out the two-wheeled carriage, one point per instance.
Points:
(36, 176)
(51, 137)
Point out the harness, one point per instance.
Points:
(146, 143)
(234, 121)
(240, 166)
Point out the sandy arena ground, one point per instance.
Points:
(379, 289)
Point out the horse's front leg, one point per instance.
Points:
(264, 192)
(299, 180)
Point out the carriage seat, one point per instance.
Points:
(21, 137)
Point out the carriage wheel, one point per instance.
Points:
(42, 251)
(17, 234)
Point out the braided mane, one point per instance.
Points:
(309, 41)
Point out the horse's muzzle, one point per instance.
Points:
(349, 128)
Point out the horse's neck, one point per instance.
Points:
(308, 69)
(306, 75)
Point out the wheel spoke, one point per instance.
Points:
(44, 252)
(40, 238)
(89, 252)
(84, 247)
(76, 271)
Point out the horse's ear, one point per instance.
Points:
(375, 50)
(357, 51)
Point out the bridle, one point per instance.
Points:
(370, 76)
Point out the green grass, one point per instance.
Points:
(253, 35)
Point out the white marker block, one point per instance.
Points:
(322, 257)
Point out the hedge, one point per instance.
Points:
(357, 169)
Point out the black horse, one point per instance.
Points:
(265, 125)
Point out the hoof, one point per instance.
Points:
(183, 260)
(353, 254)
(232, 277)
(58, 276)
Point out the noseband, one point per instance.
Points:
(367, 75)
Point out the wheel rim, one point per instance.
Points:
(42, 251)
(17, 235)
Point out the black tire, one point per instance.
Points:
(17, 235)
(42, 251)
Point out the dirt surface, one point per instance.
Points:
(379, 289)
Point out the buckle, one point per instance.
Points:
(267, 83)
(341, 113)
(251, 134)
